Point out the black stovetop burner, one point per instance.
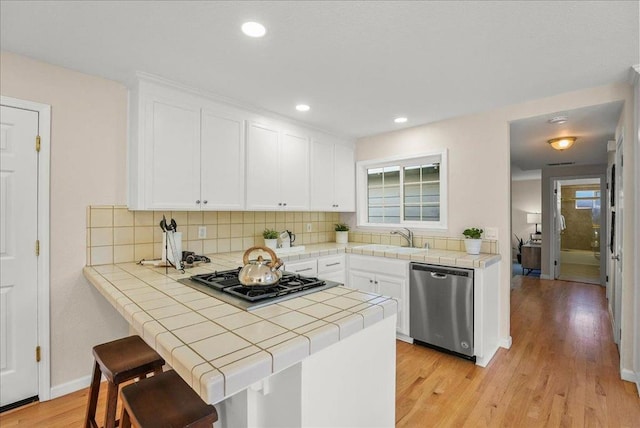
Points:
(227, 281)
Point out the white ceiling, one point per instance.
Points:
(594, 126)
(358, 64)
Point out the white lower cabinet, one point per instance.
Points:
(383, 276)
(330, 268)
(333, 268)
(306, 267)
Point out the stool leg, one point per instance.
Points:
(125, 421)
(90, 419)
(112, 402)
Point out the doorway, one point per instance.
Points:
(579, 233)
(579, 230)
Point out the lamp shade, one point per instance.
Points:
(534, 218)
(562, 143)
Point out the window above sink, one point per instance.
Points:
(403, 191)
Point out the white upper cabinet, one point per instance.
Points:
(332, 177)
(172, 155)
(188, 151)
(185, 153)
(277, 169)
(222, 161)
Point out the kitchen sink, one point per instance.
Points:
(389, 248)
(291, 250)
(376, 247)
(406, 250)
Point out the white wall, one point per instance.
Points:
(526, 197)
(479, 167)
(88, 158)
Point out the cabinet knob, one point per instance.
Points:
(198, 201)
(279, 204)
(370, 281)
(205, 201)
(375, 282)
(284, 204)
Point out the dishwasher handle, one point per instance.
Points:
(437, 275)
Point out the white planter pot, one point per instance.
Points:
(472, 245)
(342, 237)
(271, 243)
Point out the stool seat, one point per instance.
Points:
(119, 361)
(164, 400)
(126, 358)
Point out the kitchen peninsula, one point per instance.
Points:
(323, 359)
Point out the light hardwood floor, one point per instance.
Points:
(560, 371)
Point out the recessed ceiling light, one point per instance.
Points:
(400, 119)
(253, 29)
(303, 107)
(558, 120)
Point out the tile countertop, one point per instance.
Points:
(220, 349)
(439, 257)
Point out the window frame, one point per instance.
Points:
(362, 207)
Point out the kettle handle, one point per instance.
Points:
(275, 261)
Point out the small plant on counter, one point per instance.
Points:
(270, 234)
(472, 233)
(341, 227)
(472, 243)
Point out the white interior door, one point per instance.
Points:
(617, 256)
(18, 260)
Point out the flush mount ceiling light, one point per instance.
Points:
(558, 120)
(562, 143)
(253, 29)
(303, 107)
(400, 119)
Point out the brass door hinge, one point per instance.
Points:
(37, 247)
(37, 143)
(37, 354)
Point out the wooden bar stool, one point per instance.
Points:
(119, 361)
(164, 400)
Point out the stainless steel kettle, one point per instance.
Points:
(260, 272)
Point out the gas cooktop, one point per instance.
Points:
(225, 286)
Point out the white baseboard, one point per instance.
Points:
(629, 376)
(506, 342)
(404, 338)
(69, 387)
(545, 276)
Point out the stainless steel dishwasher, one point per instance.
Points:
(441, 308)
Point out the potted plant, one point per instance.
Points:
(520, 242)
(472, 242)
(270, 238)
(342, 233)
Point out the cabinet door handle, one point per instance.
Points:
(198, 201)
(285, 204)
(279, 204)
(205, 201)
(371, 281)
(375, 282)
(332, 264)
(302, 270)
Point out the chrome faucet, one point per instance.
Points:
(408, 236)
